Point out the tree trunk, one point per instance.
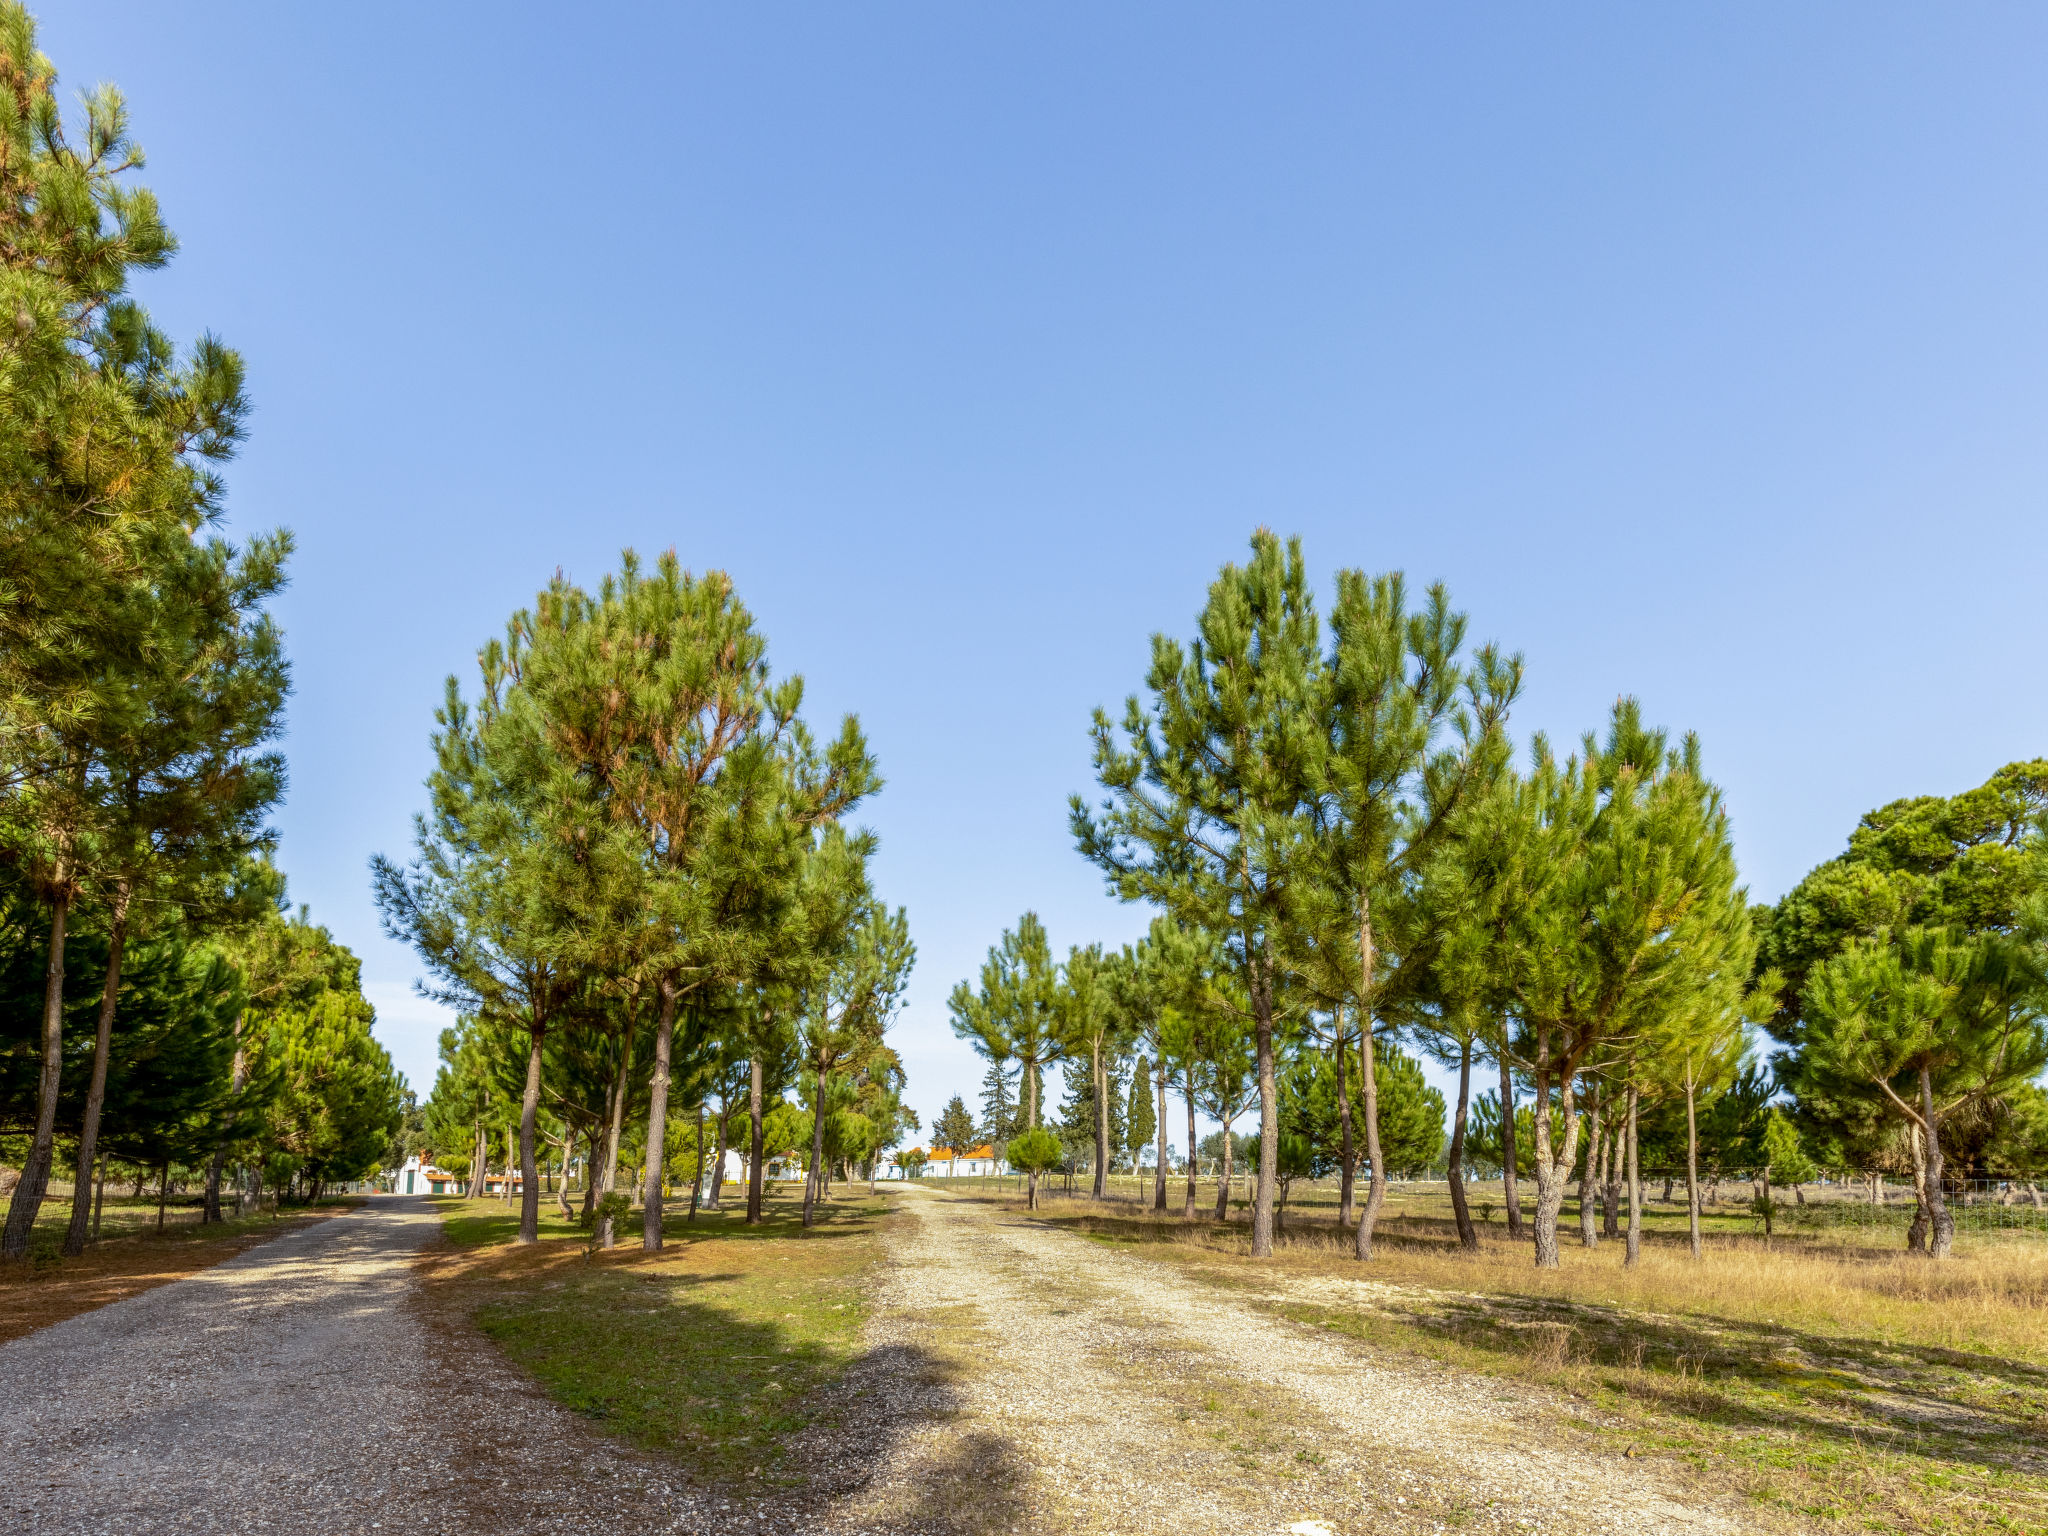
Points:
(754, 1170)
(697, 1185)
(711, 1196)
(1100, 1079)
(1692, 1163)
(1916, 1234)
(99, 1197)
(1194, 1160)
(657, 1122)
(35, 1177)
(814, 1176)
(163, 1193)
(511, 1157)
(1510, 1194)
(1589, 1174)
(615, 1128)
(1944, 1236)
(1368, 1082)
(1347, 1147)
(1223, 1183)
(1269, 1116)
(562, 1184)
(1551, 1167)
(529, 1110)
(1468, 1235)
(1159, 1153)
(1610, 1187)
(1635, 1187)
(76, 1233)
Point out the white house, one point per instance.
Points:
(418, 1178)
(944, 1163)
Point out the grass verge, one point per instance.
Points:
(1845, 1387)
(130, 1257)
(717, 1350)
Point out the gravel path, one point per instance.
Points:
(292, 1388)
(1093, 1389)
(1016, 1378)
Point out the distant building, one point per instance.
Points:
(944, 1163)
(421, 1178)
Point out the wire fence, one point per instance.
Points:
(2017, 1205)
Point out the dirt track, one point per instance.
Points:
(1017, 1378)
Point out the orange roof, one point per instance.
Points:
(947, 1154)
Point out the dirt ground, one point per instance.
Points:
(1071, 1386)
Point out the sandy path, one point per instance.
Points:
(1093, 1389)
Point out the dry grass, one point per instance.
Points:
(1849, 1387)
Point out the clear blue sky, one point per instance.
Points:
(1701, 351)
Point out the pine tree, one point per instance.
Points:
(1141, 1120)
(1205, 812)
(954, 1129)
(998, 1106)
(1012, 1015)
(106, 443)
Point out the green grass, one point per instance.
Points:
(716, 1351)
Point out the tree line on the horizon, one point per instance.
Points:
(1346, 856)
(159, 1010)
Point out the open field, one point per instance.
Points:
(1831, 1380)
(718, 1350)
(130, 1257)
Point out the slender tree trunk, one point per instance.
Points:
(562, 1185)
(511, 1157)
(1269, 1115)
(1944, 1221)
(1611, 1154)
(615, 1129)
(697, 1184)
(1347, 1145)
(99, 1197)
(711, 1196)
(75, 1235)
(529, 1110)
(163, 1193)
(1369, 1091)
(35, 1177)
(1692, 1163)
(1510, 1194)
(1635, 1187)
(814, 1177)
(754, 1170)
(1553, 1166)
(1194, 1161)
(1589, 1236)
(1916, 1234)
(1468, 1235)
(657, 1122)
(1159, 1154)
(1100, 1078)
(1223, 1183)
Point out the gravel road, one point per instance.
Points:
(1092, 1389)
(1016, 1378)
(292, 1388)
